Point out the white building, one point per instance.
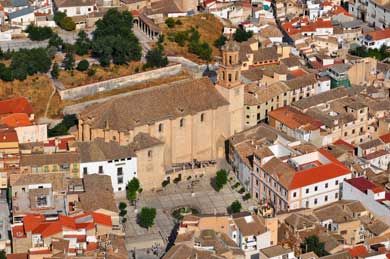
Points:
(75, 8)
(378, 13)
(108, 158)
(373, 197)
(250, 234)
(377, 39)
(32, 133)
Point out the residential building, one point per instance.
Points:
(377, 39)
(75, 8)
(108, 158)
(373, 197)
(196, 119)
(339, 75)
(276, 252)
(9, 155)
(377, 13)
(303, 181)
(296, 124)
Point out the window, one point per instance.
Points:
(307, 190)
(326, 185)
(326, 198)
(85, 170)
(345, 134)
(181, 123)
(307, 204)
(315, 201)
(316, 188)
(119, 171)
(202, 117)
(294, 194)
(160, 127)
(120, 180)
(337, 182)
(336, 195)
(100, 169)
(41, 201)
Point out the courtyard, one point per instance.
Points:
(200, 196)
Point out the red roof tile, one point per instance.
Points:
(385, 138)
(15, 120)
(361, 184)
(102, 219)
(8, 135)
(358, 251)
(294, 118)
(379, 34)
(15, 105)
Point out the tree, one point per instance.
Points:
(313, 244)
(62, 128)
(69, 61)
(38, 33)
(83, 43)
(56, 41)
(83, 65)
(113, 39)
(242, 35)
(235, 207)
(68, 24)
(220, 179)
(5, 73)
(58, 17)
(146, 217)
(170, 22)
(155, 58)
(3, 255)
(55, 70)
(220, 41)
(132, 188)
(122, 206)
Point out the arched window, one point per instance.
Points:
(181, 123)
(230, 77)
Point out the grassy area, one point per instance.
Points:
(76, 78)
(36, 88)
(209, 27)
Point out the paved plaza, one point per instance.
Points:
(201, 197)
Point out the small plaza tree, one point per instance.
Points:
(146, 217)
(221, 179)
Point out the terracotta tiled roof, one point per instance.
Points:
(15, 105)
(385, 138)
(15, 120)
(8, 135)
(294, 119)
(358, 251)
(379, 34)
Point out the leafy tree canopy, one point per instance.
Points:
(221, 179)
(146, 217)
(313, 244)
(38, 33)
(235, 207)
(242, 35)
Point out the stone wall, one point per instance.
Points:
(116, 83)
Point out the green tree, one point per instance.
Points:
(62, 128)
(170, 22)
(83, 43)
(122, 206)
(235, 207)
(83, 65)
(220, 41)
(56, 41)
(313, 244)
(68, 24)
(156, 58)
(123, 213)
(38, 33)
(6, 73)
(69, 61)
(132, 188)
(146, 217)
(55, 70)
(242, 35)
(3, 255)
(58, 17)
(221, 179)
(113, 39)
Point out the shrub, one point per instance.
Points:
(236, 185)
(189, 178)
(68, 24)
(164, 183)
(122, 205)
(246, 197)
(146, 217)
(242, 190)
(178, 22)
(124, 220)
(55, 71)
(38, 33)
(177, 179)
(220, 179)
(123, 213)
(91, 72)
(170, 22)
(235, 207)
(83, 65)
(140, 190)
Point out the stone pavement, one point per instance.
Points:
(201, 197)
